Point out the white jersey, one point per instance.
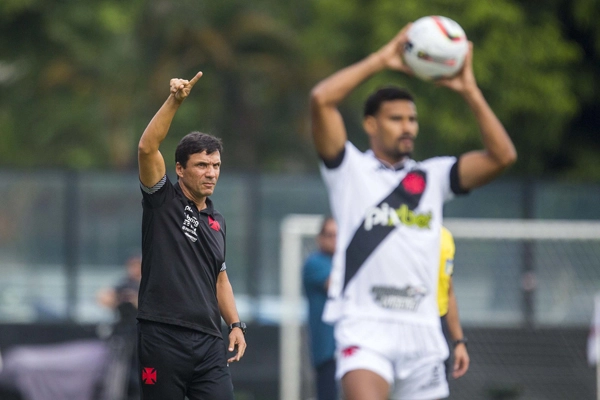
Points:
(388, 244)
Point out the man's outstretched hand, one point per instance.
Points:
(181, 88)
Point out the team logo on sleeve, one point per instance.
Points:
(395, 210)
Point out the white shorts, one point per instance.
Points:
(409, 357)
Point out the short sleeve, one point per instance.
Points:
(155, 196)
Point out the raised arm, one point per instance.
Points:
(477, 168)
(328, 130)
(151, 163)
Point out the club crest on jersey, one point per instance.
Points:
(214, 224)
(190, 223)
(385, 215)
(149, 376)
(414, 182)
(407, 298)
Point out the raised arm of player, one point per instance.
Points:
(477, 168)
(328, 130)
(150, 161)
(229, 313)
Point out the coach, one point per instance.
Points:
(184, 290)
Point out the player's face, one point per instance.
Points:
(393, 130)
(201, 173)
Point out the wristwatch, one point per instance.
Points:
(459, 341)
(238, 324)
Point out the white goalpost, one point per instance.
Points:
(558, 245)
(295, 228)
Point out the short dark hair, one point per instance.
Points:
(388, 93)
(196, 142)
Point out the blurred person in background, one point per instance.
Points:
(449, 309)
(315, 278)
(185, 290)
(122, 378)
(389, 212)
(123, 297)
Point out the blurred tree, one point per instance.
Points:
(80, 80)
(579, 157)
(69, 75)
(252, 76)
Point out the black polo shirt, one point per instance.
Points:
(183, 252)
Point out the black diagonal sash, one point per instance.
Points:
(364, 242)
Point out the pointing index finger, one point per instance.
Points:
(195, 79)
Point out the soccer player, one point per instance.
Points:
(449, 308)
(388, 208)
(184, 290)
(315, 278)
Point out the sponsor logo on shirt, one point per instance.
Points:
(384, 215)
(190, 223)
(407, 298)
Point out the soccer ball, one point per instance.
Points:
(436, 47)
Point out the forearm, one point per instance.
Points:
(453, 320)
(332, 90)
(157, 129)
(496, 141)
(226, 301)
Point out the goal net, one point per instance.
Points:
(508, 274)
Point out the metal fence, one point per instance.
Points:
(65, 234)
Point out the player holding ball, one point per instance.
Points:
(388, 207)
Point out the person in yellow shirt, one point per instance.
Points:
(449, 308)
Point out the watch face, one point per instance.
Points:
(240, 325)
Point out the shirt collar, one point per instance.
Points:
(386, 165)
(209, 204)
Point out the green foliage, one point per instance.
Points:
(79, 80)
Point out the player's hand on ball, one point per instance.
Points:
(391, 53)
(181, 88)
(465, 79)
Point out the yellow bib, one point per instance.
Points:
(447, 250)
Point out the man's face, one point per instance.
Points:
(393, 130)
(327, 238)
(134, 268)
(201, 173)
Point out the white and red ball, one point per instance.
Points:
(436, 47)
